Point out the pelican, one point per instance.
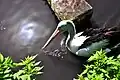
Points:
(85, 42)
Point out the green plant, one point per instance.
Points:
(101, 67)
(23, 70)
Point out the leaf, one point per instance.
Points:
(24, 70)
(24, 77)
(7, 71)
(118, 56)
(104, 71)
(107, 75)
(101, 67)
(84, 72)
(39, 73)
(1, 58)
(33, 57)
(5, 76)
(91, 58)
(37, 63)
(17, 74)
(80, 77)
(8, 60)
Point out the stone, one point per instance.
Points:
(70, 9)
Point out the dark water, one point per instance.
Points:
(25, 26)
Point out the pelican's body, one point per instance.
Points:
(76, 42)
(82, 44)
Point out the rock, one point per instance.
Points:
(70, 9)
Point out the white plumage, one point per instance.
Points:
(77, 42)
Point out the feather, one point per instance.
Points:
(76, 42)
(86, 52)
(78, 34)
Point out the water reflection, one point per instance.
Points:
(26, 32)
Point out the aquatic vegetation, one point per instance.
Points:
(23, 70)
(101, 67)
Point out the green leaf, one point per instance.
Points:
(33, 57)
(5, 76)
(1, 58)
(118, 56)
(37, 63)
(24, 70)
(101, 67)
(80, 77)
(7, 71)
(107, 76)
(104, 71)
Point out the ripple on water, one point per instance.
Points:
(57, 53)
(2, 28)
(2, 25)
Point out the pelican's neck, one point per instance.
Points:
(71, 34)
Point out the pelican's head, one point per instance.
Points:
(62, 27)
(65, 25)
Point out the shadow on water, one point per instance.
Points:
(25, 26)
